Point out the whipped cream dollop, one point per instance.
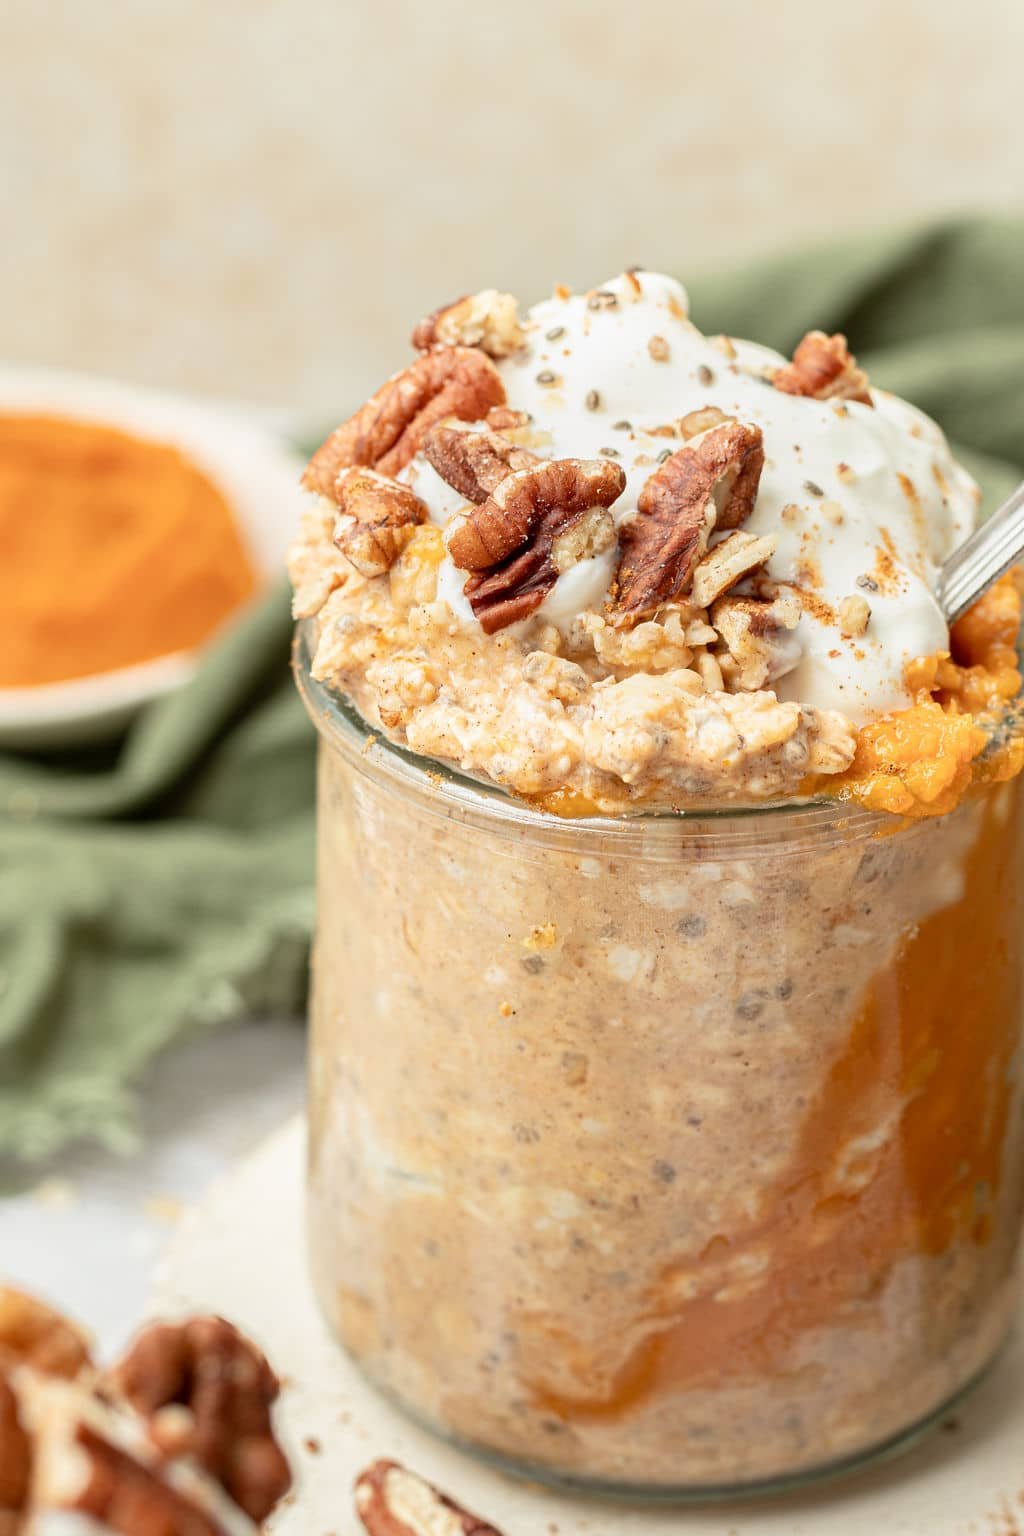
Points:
(864, 502)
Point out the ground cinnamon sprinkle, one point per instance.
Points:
(113, 550)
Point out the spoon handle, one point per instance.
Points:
(982, 559)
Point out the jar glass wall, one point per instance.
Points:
(679, 1155)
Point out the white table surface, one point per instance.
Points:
(92, 1227)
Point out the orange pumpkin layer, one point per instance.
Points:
(921, 761)
(931, 1046)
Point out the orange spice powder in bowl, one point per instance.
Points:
(135, 526)
(115, 550)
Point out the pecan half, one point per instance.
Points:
(127, 1497)
(32, 1333)
(473, 462)
(488, 320)
(384, 513)
(507, 542)
(559, 490)
(207, 1392)
(726, 564)
(392, 1501)
(388, 430)
(15, 1457)
(711, 483)
(823, 368)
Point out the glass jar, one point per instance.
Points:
(678, 1156)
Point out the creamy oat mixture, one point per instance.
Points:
(595, 553)
(678, 1155)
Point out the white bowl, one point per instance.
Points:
(258, 474)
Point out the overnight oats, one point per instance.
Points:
(665, 1101)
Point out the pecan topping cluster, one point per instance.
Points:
(392, 1501)
(823, 368)
(389, 429)
(377, 517)
(488, 320)
(711, 483)
(507, 542)
(530, 519)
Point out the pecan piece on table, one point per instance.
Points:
(488, 320)
(392, 1501)
(508, 542)
(388, 430)
(711, 483)
(31, 1333)
(123, 1495)
(823, 368)
(474, 462)
(207, 1392)
(15, 1458)
(384, 513)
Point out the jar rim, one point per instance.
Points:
(446, 790)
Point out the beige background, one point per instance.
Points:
(257, 197)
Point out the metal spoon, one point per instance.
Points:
(982, 559)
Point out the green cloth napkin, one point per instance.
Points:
(165, 885)
(162, 887)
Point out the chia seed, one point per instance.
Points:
(692, 927)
